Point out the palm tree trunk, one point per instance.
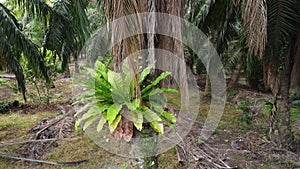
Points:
(270, 75)
(284, 134)
(76, 62)
(266, 69)
(174, 7)
(116, 9)
(234, 79)
(67, 71)
(295, 76)
(207, 91)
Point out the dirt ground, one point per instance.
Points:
(236, 141)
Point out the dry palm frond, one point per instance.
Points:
(254, 15)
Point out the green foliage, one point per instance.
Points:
(32, 28)
(111, 94)
(106, 59)
(96, 14)
(217, 20)
(59, 26)
(6, 106)
(200, 68)
(253, 70)
(295, 106)
(246, 116)
(123, 166)
(3, 108)
(66, 32)
(14, 44)
(282, 26)
(233, 93)
(294, 110)
(268, 107)
(68, 28)
(2, 81)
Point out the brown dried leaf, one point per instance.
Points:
(118, 131)
(128, 129)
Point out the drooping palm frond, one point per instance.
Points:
(234, 55)
(197, 11)
(7, 55)
(67, 31)
(38, 8)
(237, 50)
(68, 28)
(11, 34)
(60, 32)
(80, 20)
(254, 15)
(226, 30)
(214, 18)
(282, 25)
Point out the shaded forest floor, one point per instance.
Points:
(241, 139)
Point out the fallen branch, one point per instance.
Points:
(36, 141)
(51, 124)
(220, 160)
(7, 76)
(5, 155)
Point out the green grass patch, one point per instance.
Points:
(168, 160)
(14, 126)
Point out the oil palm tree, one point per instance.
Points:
(13, 44)
(237, 58)
(277, 46)
(116, 9)
(272, 33)
(66, 29)
(217, 20)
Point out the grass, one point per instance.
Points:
(168, 160)
(84, 149)
(16, 125)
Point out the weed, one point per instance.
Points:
(124, 166)
(233, 93)
(295, 106)
(246, 117)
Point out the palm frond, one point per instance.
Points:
(68, 28)
(36, 7)
(11, 34)
(80, 20)
(197, 11)
(217, 18)
(14, 66)
(282, 24)
(234, 55)
(254, 15)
